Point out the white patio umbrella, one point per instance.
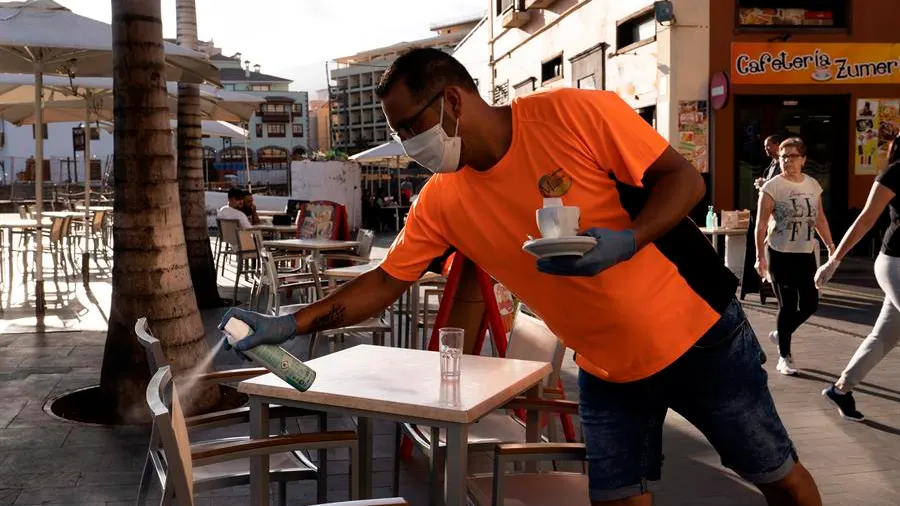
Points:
(90, 99)
(65, 99)
(41, 36)
(385, 153)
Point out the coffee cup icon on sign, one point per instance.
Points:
(822, 73)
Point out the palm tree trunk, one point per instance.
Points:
(191, 186)
(150, 271)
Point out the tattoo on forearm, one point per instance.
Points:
(331, 319)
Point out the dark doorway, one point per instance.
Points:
(822, 121)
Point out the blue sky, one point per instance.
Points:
(294, 38)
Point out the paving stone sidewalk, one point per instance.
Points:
(47, 461)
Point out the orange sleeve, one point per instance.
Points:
(420, 241)
(619, 139)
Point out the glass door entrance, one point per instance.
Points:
(822, 121)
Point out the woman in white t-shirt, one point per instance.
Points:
(789, 215)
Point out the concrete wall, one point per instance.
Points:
(336, 181)
(670, 69)
(474, 53)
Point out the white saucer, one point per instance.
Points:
(546, 247)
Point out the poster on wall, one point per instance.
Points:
(877, 123)
(693, 133)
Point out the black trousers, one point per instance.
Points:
(793, 280)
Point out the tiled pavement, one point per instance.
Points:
(47, 461)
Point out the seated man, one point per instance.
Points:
(234, 209)
(249, 208)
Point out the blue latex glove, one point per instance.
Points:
(613, 246)
(266, 329)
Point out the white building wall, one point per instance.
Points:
(19, 146)
(673, 68)
(474, 53)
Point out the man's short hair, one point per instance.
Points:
(235, 193)
(775, 138)
(425, 71)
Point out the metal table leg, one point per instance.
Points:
(364, 438)
(455, 465)
(259, 465)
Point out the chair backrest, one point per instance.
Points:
(246, 243)
(228, 231)
(97, 221)
(531, 339)
(315, 272)
(23, 213)
(168, 421)
(365, 238)
(57, 229)
(155, 355)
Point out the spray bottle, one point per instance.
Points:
(274, 358)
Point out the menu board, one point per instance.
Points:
(693, 133)
(877, 123)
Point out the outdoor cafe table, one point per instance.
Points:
(317, 246)
(278, 230)
(406, 324)
(735, 246)
(12, 222)
(401, 385)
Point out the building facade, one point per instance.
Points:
(826, 71)
(278, 131)
(357, 121)
(658, 67)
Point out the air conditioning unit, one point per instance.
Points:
(515, 18)
(538, 4)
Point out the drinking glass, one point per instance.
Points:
(451, 340)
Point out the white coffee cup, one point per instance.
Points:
(555, 222)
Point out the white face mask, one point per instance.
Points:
(434, 149)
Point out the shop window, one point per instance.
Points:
(552, 69)
(793, 13)
(34, 132)
(648, 114)
(524, 88)
(587, 83)
(272, 157)
(636, 30)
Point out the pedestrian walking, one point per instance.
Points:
(789, 215)
(885, 335)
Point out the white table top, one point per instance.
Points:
(20, 223)
(400, 382)
(357, 270)
(311, 244)
(262, 212)
(63, 214)
(268, 227)
(723, 231)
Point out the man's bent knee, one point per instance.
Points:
(796, 489)
(645, 499)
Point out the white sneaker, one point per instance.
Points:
(786, 366)
(773, 338)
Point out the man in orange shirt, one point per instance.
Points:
(650, 311)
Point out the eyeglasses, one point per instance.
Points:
(405, 127)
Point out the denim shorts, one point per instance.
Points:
(719, 386)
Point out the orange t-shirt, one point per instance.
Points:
(626, 323)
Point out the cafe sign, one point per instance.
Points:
(814, 63)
